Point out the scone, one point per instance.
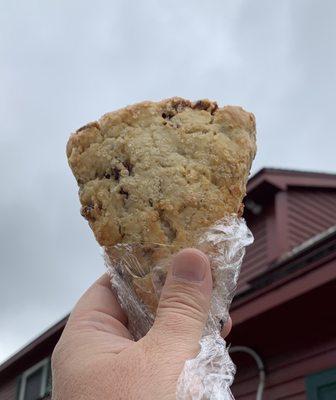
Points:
(161, 172)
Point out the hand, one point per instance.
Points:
(96, 358)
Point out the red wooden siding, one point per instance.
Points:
(8, 390)
(256, 256)
(309, 212)
(286, 374)
(306, 212)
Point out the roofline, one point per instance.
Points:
(303, 178)
(288, 171)
(55, 329)
(307, 244)
(291, 265)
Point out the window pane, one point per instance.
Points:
(33, 385)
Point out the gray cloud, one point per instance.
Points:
(65, 63)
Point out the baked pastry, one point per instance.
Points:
(160, 172)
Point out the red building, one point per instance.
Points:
(285, 304)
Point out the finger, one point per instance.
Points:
(226, 328)
(99, 307)
(185, 299)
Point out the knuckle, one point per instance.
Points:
(179, 311)
(186, 302)
(182, 311)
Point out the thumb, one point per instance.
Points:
(185, 300)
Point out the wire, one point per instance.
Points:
(260, 364)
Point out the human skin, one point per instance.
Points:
(96, 357)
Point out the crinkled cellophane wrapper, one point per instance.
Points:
(210, 374)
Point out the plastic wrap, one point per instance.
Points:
(210, 374)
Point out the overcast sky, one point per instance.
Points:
(64, 63)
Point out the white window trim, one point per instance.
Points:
(45, 364)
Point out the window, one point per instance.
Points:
(322, 386)
(35, 382)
